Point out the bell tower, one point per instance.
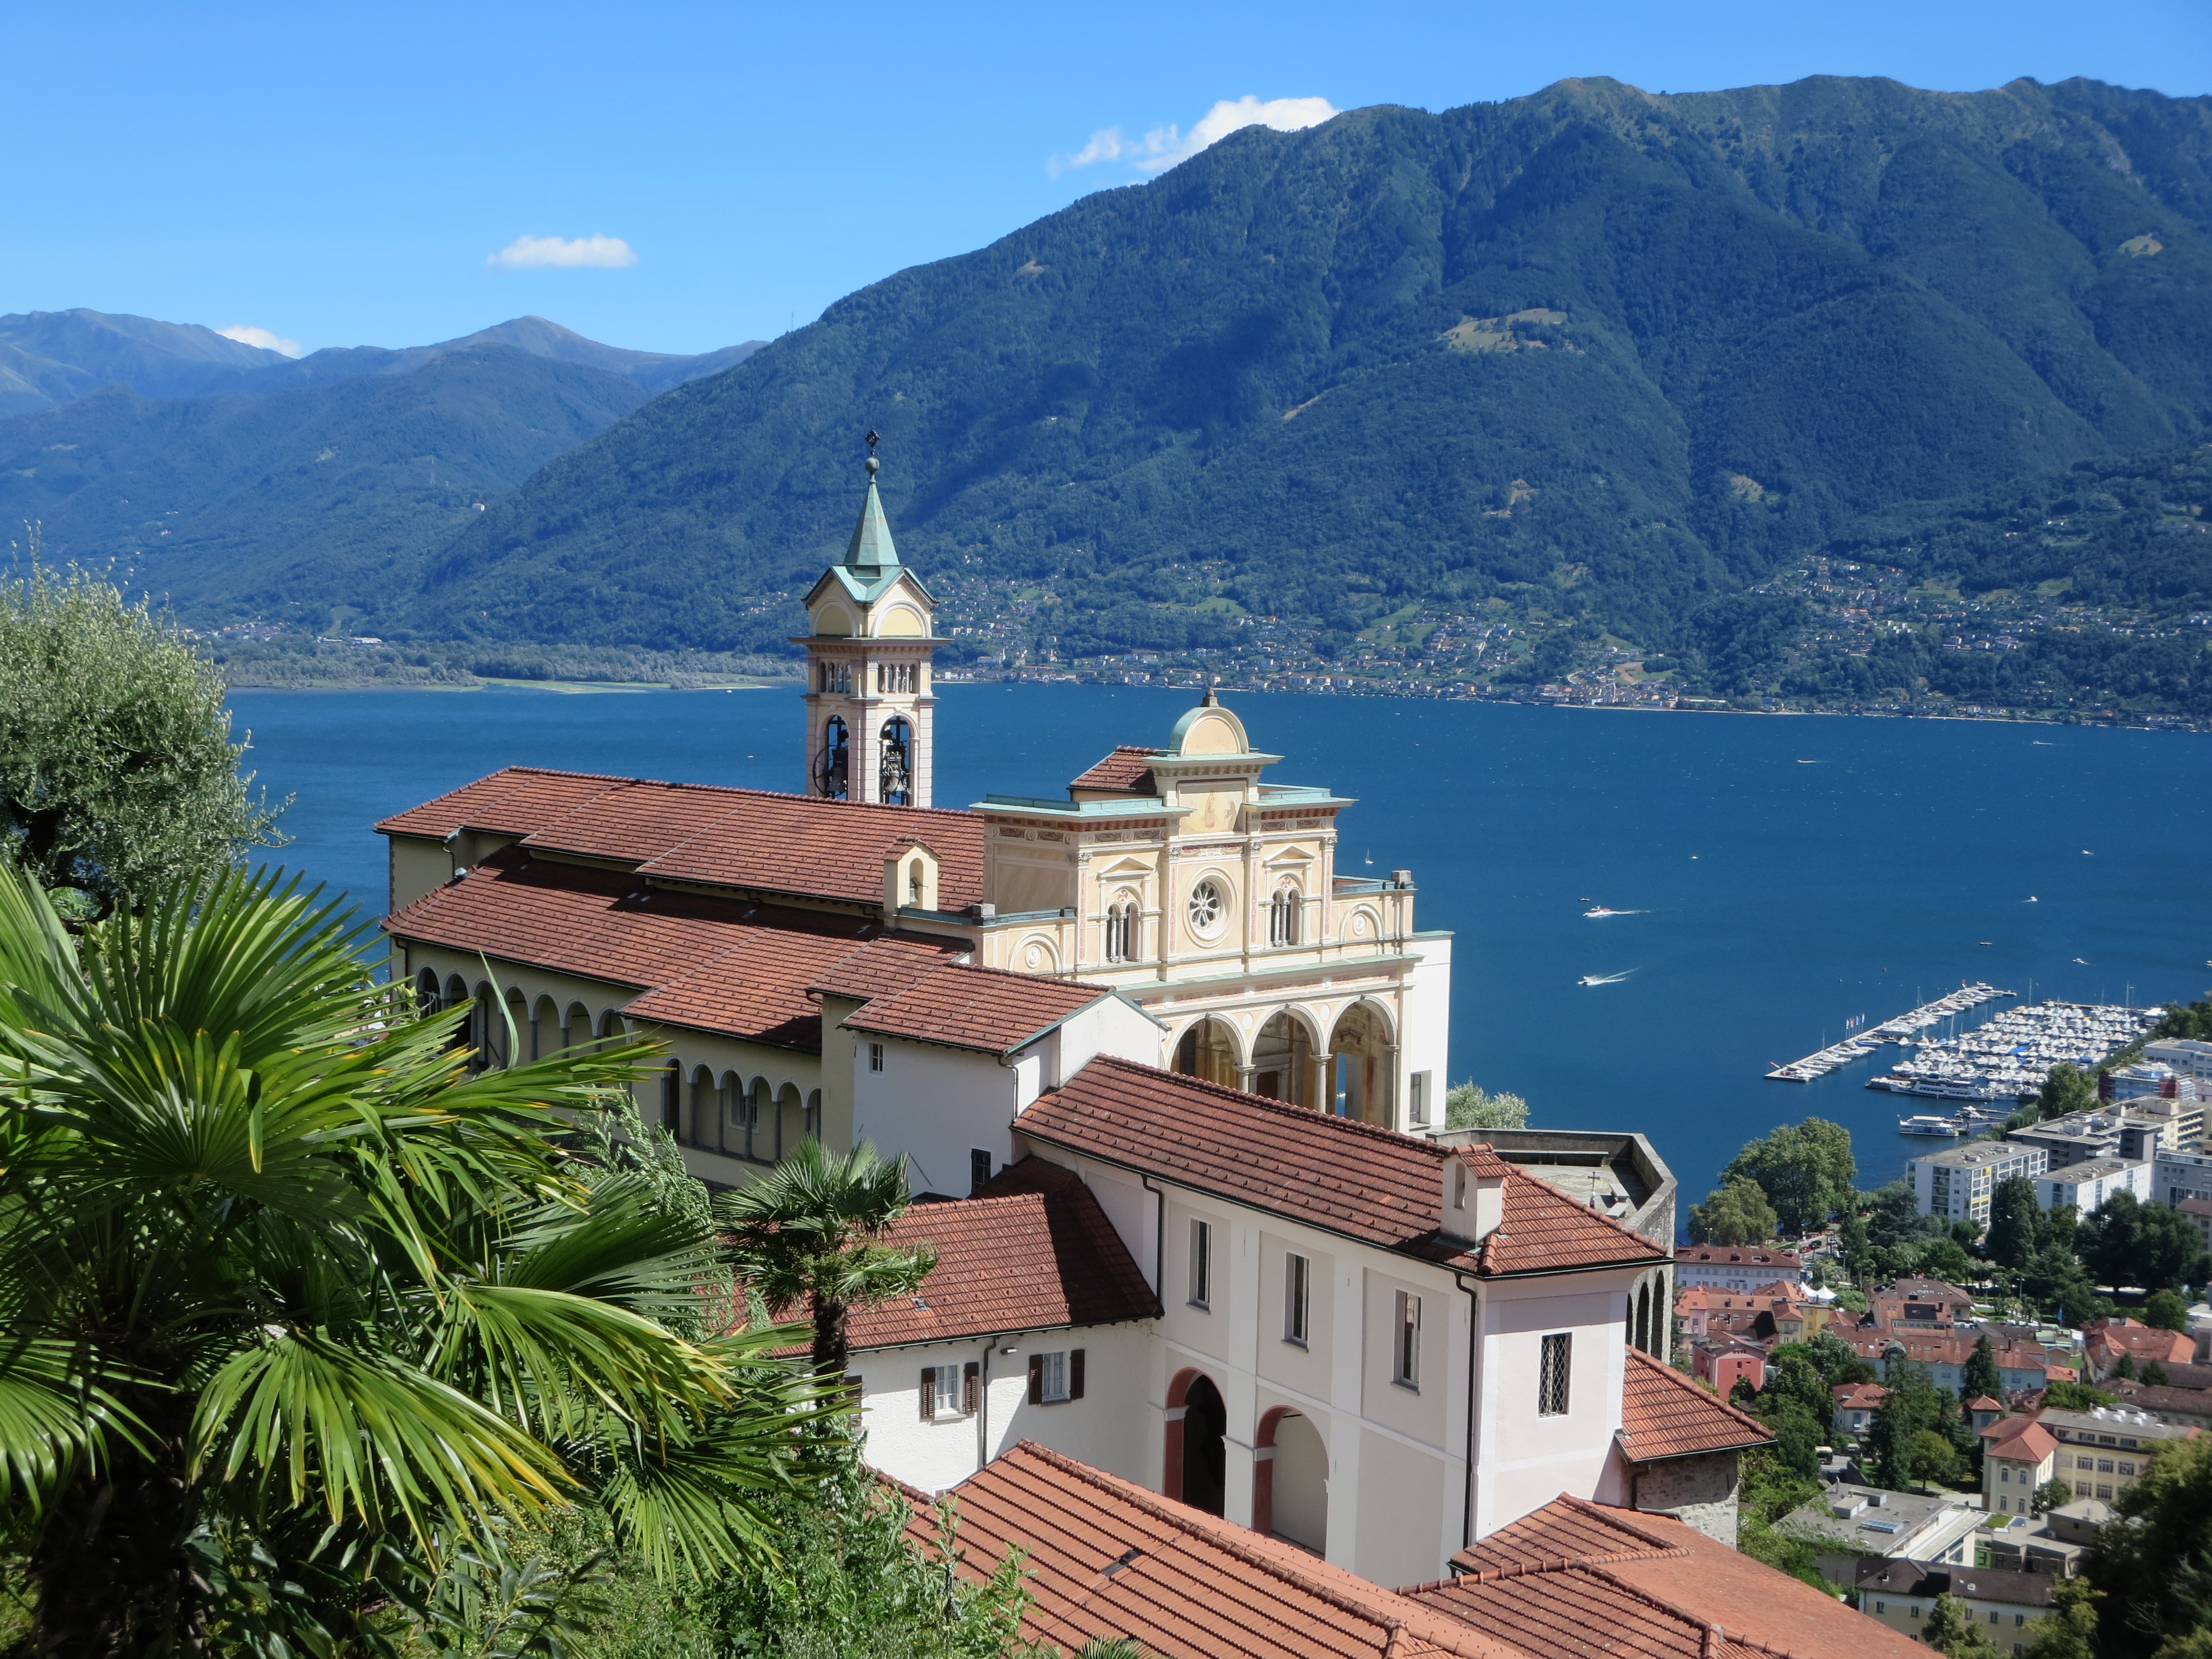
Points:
(869, 705)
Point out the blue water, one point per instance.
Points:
(1790, 873)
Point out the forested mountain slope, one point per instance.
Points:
(310, 506)
(1593, 353)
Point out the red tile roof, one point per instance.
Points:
(1579, 1578)
(754, 839)
(1381, 1187)
(884, 965)
(1129, 767)
(1107, 1558)
(2018, 1440)
(1733, 1254)
(513, 801)
(983, 1008)
(1664, 1414)
(718, 964)
(1032, 1252)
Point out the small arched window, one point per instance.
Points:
(896, 767)
(1283, 916)
(1122, 930)
(832, 769)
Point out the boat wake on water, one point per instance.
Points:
(1602, 911)
(1603, 979)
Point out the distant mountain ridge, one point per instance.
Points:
(51, 357)
(1595, 351)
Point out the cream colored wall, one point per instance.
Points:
(418, 867)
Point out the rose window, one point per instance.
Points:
(1205, 907)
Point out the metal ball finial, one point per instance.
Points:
(872, 463)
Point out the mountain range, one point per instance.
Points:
(1594, 360)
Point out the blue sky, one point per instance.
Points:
(354, 175)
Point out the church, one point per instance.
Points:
(1167, 1082)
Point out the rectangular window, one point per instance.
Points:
(1553, 1370)
(1056, 1377)
(2104, 1465)
(2104, 1492)
(978, 1171)
(2004, 1474)
(1406, 1342)
(2085, 1462)
(1201, 1264)
(875, 1056)
(2127, 1468)
(1298, 1297)
(1417, 1098)
(949, 1392)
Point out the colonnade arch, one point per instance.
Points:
(1290, 1479)
(1196, 1464)
(1362, 1065)
(1283, 1058)
(1207, 1050)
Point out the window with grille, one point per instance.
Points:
(1283, 918)
(1406, 1342)
(875, 1056)
(1553, 1368)
(1201, 1264)
(1055, 1377)
(1298, 1297)
(948, 1391)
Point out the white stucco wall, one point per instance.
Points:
(1105, 1428)
(1426, 1046)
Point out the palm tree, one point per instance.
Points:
(808, 1232)
(291, 1306)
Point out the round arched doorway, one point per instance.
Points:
(1205, 1450)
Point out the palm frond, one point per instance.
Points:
(55, 1417)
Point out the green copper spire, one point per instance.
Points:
(871, 547)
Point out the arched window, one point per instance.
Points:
(1122, 930)
(896, 769)
(832, 769)
(426, 991)
(814, 1115)
(1283, 916)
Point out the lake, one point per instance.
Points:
(1785, 873)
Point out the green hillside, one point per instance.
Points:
(1589, 360)
(311, 507)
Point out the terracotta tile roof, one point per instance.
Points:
(1383, 1187)
(2142, 1342)
(749, 838)
(829, 848)
(1107, 1559)
(1128, 768)
(1982, 1402)
(983, 1008)
(2018, 1440)
(2167, 1403)
(1033, 1251)
(883, 964)
(719, 964)
(1561, 1574)
(514, 801)
(1726, 1255)
(1664, 1414)
(1934, 1578)
(1859, 1394)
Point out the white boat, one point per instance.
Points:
(1926, 1123)
(1601, 911)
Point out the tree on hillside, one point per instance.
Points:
(2166, 1308)
(2065, 1088)
(1467, 1107)
(1737, 1213)
(1805, 1169)
(2053, 1280)
(296, 1305)
(808, 1233)
(118, 775)
(1979, 1376)
(2188, 1020)
(2157, 1574)
(2016, 1222)
(1916, 1434)
(2126, 1241)
(1952, 1630)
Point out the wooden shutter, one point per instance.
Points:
(1075, 1373)
(970, 1381)
(929, 1394)
(1036, 1379)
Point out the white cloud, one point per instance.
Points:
(247, 334)
(541, 253)
(1163, 147)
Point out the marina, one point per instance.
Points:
(2006, 1058)
(1900, 1030)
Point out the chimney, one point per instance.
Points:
(1471, 1203)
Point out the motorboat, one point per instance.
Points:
(1927, 1123)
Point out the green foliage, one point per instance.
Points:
(2066, 1089)
(2054, 1280)
(1467, 1107)
(1951, 1629)
(2016, 1222)
(1805, 1169)
(2126, 1241)
(118, 775)
(1737, 1213)
(2157, 1572)
(1979, 1378)
(2069, 1632)
(806, 1234)
(2167, 1310)
(1769, 1488)
(1094, 407)
(2125, 1368)
(2076, 1397)
(1917, 1433)
(2190, 1020)
(2153, 1375)
(2052, 1494)
(1796, 1403)
(1944, 1258)
(298, 1304)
